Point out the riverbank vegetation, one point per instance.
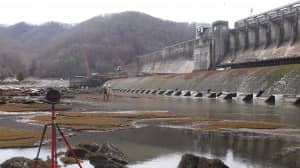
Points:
(11, 138)
(20, 107)
(108, 121)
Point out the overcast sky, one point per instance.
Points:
(74, 11)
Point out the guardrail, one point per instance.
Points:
(259, 63)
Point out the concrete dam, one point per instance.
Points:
(269, 38)
(259, 57)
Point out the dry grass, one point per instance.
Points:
(109, 121)
(184, 120)
(10, 137)
(19, 107)
(212, 125)
(100, 121)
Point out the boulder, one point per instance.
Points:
(192, 161)
(108, 156)
(80, 153)
(21, 162)
(90, 147)
(2, 101)
(112, 151)
(103, 161)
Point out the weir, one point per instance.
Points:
(297, 102)
(271, 100)
(178, 93)
(169, 93)
(212, 95)
(199, 94)
(248, 98)
(229, 96)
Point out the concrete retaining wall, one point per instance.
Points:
(177, 58)
(283, 79)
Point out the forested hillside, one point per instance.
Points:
(54, 49)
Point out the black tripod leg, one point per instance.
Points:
(40, 146)
(68, 145)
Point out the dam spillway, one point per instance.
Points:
(266, 39)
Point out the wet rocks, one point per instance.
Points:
(102, 161)
(192, 161)
(106, 156)
(289, 156)
(112, 151)
(89, 147)
(21, 162)
(81, 153)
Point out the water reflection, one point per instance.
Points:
(157, 147)
(151, 144)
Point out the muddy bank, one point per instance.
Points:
(273, 80)
(152, 129)
(20, 107)
(12, 138)
(111, 121)
(107, 121)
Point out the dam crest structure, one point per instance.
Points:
(219, 62)
(269, 38)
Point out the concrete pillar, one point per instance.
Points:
(202, 51)
(265, 35)
(294, 29)
(287, 29)
(220, 41)
(243, 39)
(233, 43)
(253, 37)
(277, 32)
(165, 53)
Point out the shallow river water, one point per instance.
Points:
(211, 108)
(158, 146)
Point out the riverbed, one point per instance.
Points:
(151, 146)
(204, 107)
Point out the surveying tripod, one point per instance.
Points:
(53, 97)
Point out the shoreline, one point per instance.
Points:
(113, 121)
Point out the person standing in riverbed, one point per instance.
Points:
(107, 92)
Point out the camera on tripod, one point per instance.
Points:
(53, 96)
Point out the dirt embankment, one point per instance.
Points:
(282, 79)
